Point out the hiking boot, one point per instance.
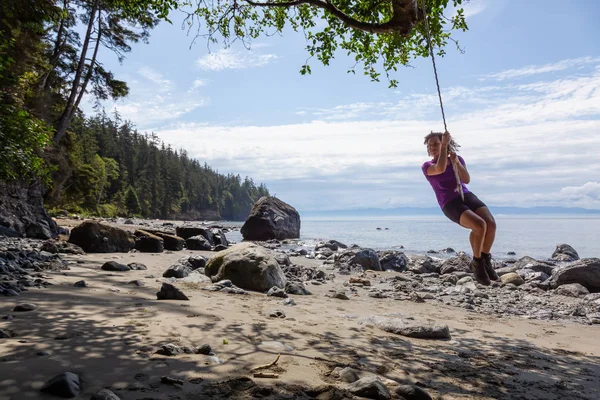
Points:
(478, 268)
(489, 269)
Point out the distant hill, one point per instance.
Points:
(406, 211)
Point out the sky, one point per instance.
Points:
(523, 101)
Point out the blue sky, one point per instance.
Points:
(523, 101)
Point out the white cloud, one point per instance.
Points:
(231, 59)
(199, 82)
(525, 145)
(540, 69)
(156, 78)
(473, 8)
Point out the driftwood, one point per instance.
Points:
(265, 366)
(266, 375)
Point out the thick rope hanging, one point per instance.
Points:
(437, 83)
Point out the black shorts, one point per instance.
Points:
(456, 207)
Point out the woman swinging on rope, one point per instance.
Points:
(470, 213)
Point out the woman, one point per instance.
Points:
(472, 214)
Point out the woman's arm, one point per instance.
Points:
(442, 162)
(462, 170)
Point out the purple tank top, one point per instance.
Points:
(444, 184)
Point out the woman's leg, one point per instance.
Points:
(478, 227)
(490, 233)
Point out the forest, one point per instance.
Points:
(94, 165)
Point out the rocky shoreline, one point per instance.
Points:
(529, 290)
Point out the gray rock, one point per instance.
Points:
(146, 242)
(170, 292)
(585, 272)
(297, 288)
(248, 266)
(371, 388)
(459, 263)
(393, 260)
(347, 374)
(513, 278)
(65, 385)
(410, 392)
(572, 290)
(277, 313)
(409, 328)
(271, 218)
(177, 271)
(115, 267)
(277, 292)
(564, 252)
(25, 307)
(104, 394)
(80, 284)
(94, 237)
(365, 258)
(198, 242)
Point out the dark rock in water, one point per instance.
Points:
(25, 307)
(271, 218)
(585, 272)
(248, 266)
(511, 253)
(115, 266)
(94, 237)
(394, 260)
(371, 388)
(459, 263)
(146, 242)
(22, 211)
(65, 385)
(366, 258)
(198, 242)
(105, 394)
(177, 271)
(170, 292)
(410, 392)
(564, 252)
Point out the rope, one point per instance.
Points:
(437, 83)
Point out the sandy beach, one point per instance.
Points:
(109, 331)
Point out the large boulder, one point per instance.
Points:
(366, 258)
(94, 237)
(564, 252)
(188, 231)
(394, 260)
(585, 272)
(459, 263)
(146, 242)
(247, 266)
(271, 218)
(22, 211)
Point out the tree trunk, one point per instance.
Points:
(67, 115)
(92, 63)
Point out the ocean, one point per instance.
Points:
(525, 235)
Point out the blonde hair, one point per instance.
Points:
(452, 146)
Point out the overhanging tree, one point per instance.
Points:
(380, 35)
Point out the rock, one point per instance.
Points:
(360, 281)
(277, 292)
(365, 258)
(371, 388)
(195, 262)
(332, 245)
(177, 271)
(248, 266)
(408, 328)
(65, 385)
(170, 242)
(289, 302)
(296, 288)
(512, 277)
(564, 252)
(277, 314)
(347, 374)
(271, 218)
(104, 394)
(572, 290)
(147, 242)
(80, 284)
(585, 272)
(4, 334)
(187, 232)
(94, 237)
(410, 392)
(219, 238)
(394, 260)
(170, 292)
(198, 242)
(25, 307)
(58, 246)
(459, 263)
(169, 349)
(115, 266)
(22, 211)
(137, 266)
(340, 295)
(532, 264)
(422, 265)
